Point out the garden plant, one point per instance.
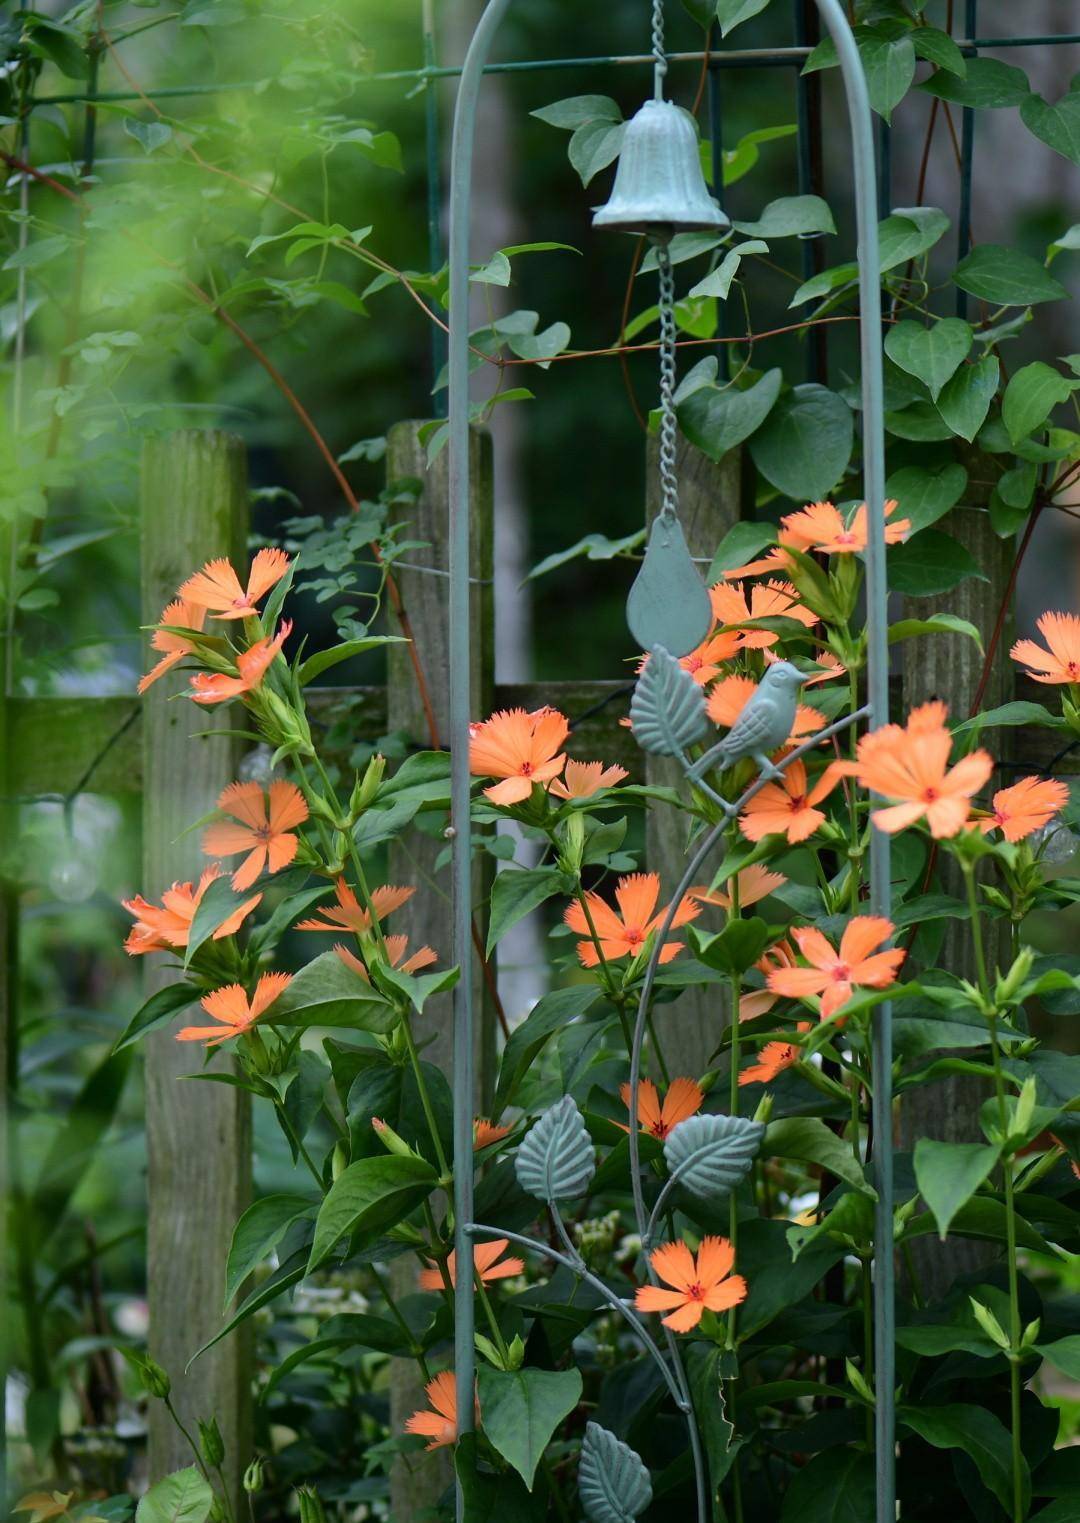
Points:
(673, 1270)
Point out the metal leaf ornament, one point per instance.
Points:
(613, 1483)
(556, 1161)
(667, 711)
(710, 1155)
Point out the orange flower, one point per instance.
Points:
(520, 748)
(767, 600)
(45, 1505)
(581, 780)
(484, 1256)
(821, 526)
(397, 950)
(833, 666)
(251, 664)
(1028, 805)
(486, 1132)
(704, 662)
(683, 1099)
(1061, 663)
(835, 975)
(787, 807)
(625, 933)
(440, 1424)
(348, 914)
(757, 1002)
(911, 764)
(235, 1012)
(217, 587)
(731, 695)
(265, 835)
(176, 647)
(159, 927)
(698, 1283)
(773, 1058)
(773, 563)
(755, 883)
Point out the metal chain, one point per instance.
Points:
(660, 65)
(669, 483)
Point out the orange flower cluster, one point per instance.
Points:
(234, 1011)
(524, 750)
(698, 1284)
(165, 927)
(623, 933)
(260, 824)
(821, 527)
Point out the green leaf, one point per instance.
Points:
(1006, 277)
(283, 1278)
(155, 1011)
(810, 1139)
(149, 135)
(731, 13)
(37, 252)
(323, 660)
(909, 232)
(667, 710)
(930, 562)
(837, 1486)
(183, 1497)
(710, 1155)
(740, 160)
(596, 547)
(965, 400)
(1030, 397)
(936, 624)
(522, 1409)
(979, 1434)
(938, 48)
(742, 542)
(369, 1197)
(594, 146)
(215, 907)
(578, 110)
(516, 892)
(1064, 1355)
(925, 496)
(541, 347)
(550, 1014)
(717, 418)
(417, 988)
(718, 282)
(327, 993)
(613, 1482)
(1057, 126)
(987, 83)
(804, 446)
(734, 949)
(1014, 714)
(556, 1160)
(920, 421)
(949, 1173)
(930, 354)
(260, 1229)
(889, 66)
(791, 217)
(74, 1145)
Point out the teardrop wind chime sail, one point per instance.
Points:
(659, 191)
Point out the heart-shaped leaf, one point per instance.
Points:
(710, 1155)
(667, 711)
(556, 1161)
(613, 1483)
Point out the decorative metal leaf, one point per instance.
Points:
(710, 1155)
(613, 1483)
(556, 1161)
(667, 711)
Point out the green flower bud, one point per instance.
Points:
(311, 1509)
(365, 788)
(339, 1162)
(253, 1476)
(211, 1442)
(155, 1379)
(390, 1139)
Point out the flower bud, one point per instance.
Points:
(390, 1139)
(217, 1510)
(155, 1379)
(1009, 987)
(366, 787)
(339, 1161)
(572, 846)
(211, 1442)
(253, 1476)
(311, 1509)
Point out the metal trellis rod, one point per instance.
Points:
(862, 135)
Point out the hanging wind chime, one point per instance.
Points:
(659, 191)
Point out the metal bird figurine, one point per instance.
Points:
(765, 723)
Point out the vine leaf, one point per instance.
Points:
(667, 711)
(710, 1155)
(556, 1161)
(613, 1482)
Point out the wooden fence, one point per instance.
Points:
(194, 506)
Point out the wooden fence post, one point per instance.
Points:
(949, 667)
(416, 1488)
(709, 494)
(193, 507)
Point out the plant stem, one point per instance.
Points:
(392, 1307)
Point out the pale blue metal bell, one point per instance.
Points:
(659, 185)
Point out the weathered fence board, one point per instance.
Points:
(417, 1486)
(194, 507)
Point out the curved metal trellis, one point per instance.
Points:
(862, 136)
